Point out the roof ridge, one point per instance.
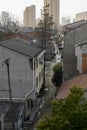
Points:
(21, 46)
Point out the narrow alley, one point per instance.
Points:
(47, 96)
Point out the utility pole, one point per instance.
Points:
(10, 94)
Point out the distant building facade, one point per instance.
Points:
(37, 21)
(54, 10)
(65, 20)
(30, 16)
(80, 16)
(4, 17)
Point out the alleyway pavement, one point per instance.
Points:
(48, 95)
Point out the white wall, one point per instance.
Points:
(21, 74)
(39, 70)
(78, 53)
(79, 50)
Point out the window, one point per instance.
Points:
(36, 63)
(39, 76)
(36, 81)
(0, 125)
(41, 59)
(28, 104)
(43, 72)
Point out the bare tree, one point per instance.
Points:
(45, 25)
(46, 21)
(9, 22)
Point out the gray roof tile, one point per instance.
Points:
(21, 47)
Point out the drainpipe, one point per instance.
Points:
(10, 92)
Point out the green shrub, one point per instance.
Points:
(57, 75)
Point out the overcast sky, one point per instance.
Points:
(67, 7)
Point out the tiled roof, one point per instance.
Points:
(22, 36)
(79, 81)
(75, 25)
(21, 46)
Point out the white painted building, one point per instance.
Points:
(26, 68)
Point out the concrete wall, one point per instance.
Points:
(78, 53)
(39, 71)
(21, 74)
(2, 121)
(81, 53)
(69, 59)
(8, 126)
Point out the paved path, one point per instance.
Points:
(48, 96)
(49, 92)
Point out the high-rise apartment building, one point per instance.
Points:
(4, 17)
(30, 16)
(65, 20)
(54, 10)
(80, 16)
